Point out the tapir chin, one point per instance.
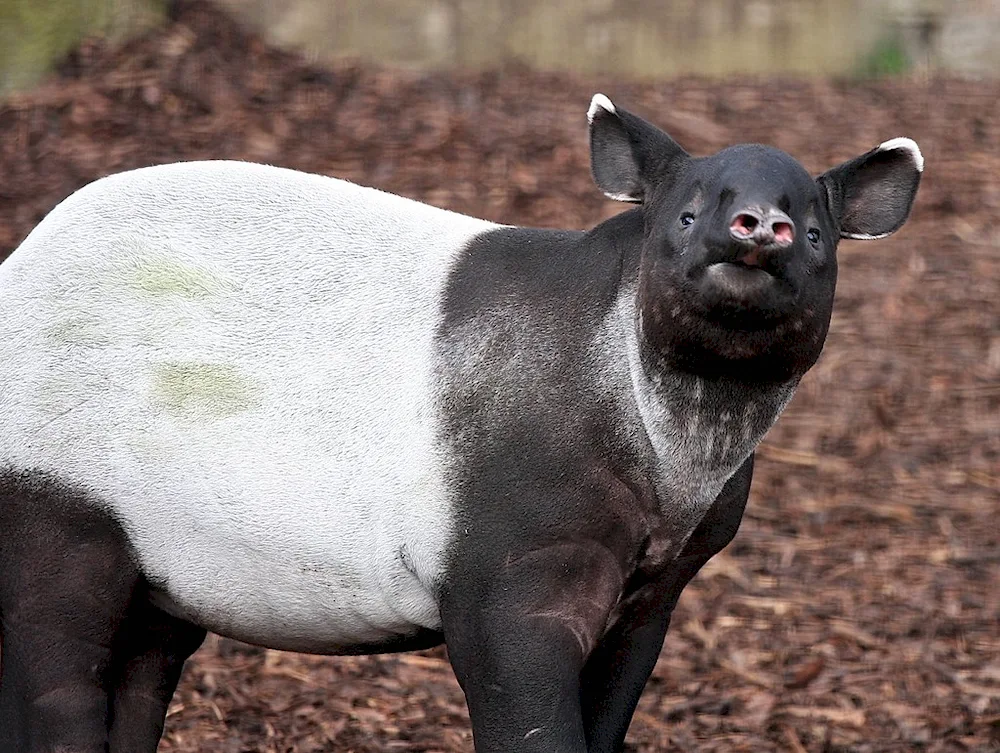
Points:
(318, 417)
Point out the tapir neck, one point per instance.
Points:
(701, 429)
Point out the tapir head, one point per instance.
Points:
(738, 263)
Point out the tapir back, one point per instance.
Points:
(237, 361)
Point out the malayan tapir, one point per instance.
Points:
(322, 418)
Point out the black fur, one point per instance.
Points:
(557, 498)
(88, 665)
(552, 506)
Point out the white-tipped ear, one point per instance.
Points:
(871, 196)
(904, 144)
(599, 102)
(628, 156)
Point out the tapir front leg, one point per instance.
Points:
(616, 673)
(518, 638)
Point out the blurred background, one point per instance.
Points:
(637, 38)
(859, 607)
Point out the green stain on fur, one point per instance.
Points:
(192, 389)
(164, 277)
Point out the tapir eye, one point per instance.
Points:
(687, 219)
(813, 235)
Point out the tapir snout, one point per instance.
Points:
(762, 226)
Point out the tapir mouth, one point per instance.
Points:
(745, 275)
(770, 261)
(752, 258)
(766, 259)
(740, 280)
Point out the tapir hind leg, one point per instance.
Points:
(66, 579)
(150, 654)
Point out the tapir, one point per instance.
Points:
(317, 417)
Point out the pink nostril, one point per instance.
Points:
(783, 232)
(744, 224)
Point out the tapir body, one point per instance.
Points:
(318, 417)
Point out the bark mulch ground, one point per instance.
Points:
(858, 608)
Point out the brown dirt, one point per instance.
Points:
(858, 610)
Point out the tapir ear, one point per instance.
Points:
(627, 154)
(871, 195)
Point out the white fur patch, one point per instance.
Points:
(622, 197)
(905, 144)
(863, 237)
(599, 101)
(238, 359)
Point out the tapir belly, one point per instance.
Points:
(341, 578)
(349, 572)
(252, 398)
